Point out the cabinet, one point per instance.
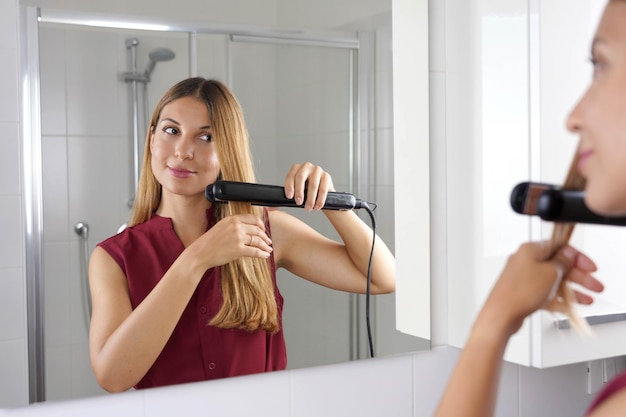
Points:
(514, 70)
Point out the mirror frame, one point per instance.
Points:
(411, 126)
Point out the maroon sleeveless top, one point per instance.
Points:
(615, 385)
(195, 350)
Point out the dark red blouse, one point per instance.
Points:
(616, 384)
(195, 351)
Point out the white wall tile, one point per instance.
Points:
(12, 307)
(14, 371)
(9, 111)
(124, 404)
(12, 244)
(83, 381)
(384, 215)
(58, 372)
(354, 389)
(384, 157)
(559, 391)
(57, 305)
(431, 373)
(79, 291)
(8, 24)
(52, 64)
(10, 158)
(97, 188)
(260, 395)
(54, 188)
(390, 341)
(91, 78)
(507, 403)
(384, 99)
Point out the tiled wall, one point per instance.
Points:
(13, 344)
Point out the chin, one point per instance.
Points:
(611, 206)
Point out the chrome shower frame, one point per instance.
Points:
(134, 77)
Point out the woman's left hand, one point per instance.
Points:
(311, 181)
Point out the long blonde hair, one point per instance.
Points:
(249, 300)
(565, 300)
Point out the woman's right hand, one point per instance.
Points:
(529, 282)
(232, 237)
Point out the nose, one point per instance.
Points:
(575, 119)
(184, 148)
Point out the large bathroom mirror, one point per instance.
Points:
(314, 86)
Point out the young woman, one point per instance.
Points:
(188, 291)
(532, 275)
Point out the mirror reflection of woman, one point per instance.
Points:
(188, 291)
(532, 275)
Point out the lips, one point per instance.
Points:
(179, 172)
(583, 158)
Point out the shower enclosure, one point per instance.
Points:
(139, 97)
(299, 97)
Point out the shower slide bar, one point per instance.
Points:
(82, 230)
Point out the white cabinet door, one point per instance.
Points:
(514, 70)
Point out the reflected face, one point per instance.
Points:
(184, 159)
(600, 116)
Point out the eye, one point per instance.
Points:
(170, 130)
(206, 137)
(597, 64)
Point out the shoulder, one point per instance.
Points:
(612, 406)
(612, 399)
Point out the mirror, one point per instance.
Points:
(331, 82)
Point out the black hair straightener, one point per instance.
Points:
(274, 196)
(551, 203)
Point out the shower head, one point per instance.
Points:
(156, 55)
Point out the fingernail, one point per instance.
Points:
(569, 252)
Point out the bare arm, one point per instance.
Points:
(525, 285)
(338, 265)
(306, 253)
(124, 343)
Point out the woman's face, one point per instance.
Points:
(184, 160)
(600, 116)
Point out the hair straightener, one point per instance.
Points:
(551, 203)
(274, 196)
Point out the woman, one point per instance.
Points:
(188, 291)
(531, 276)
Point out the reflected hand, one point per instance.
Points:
(311, 178)
(529, 281)
(232, 237)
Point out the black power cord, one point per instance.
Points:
(368, 289)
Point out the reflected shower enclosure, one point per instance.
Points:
(139, 101)
(300, 104)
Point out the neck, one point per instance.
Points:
(188, 215)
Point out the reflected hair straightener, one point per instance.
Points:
(274, 196)
(551, 203)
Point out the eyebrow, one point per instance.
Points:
(177, 123)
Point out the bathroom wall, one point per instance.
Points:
(13, 360)
(405, 385)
